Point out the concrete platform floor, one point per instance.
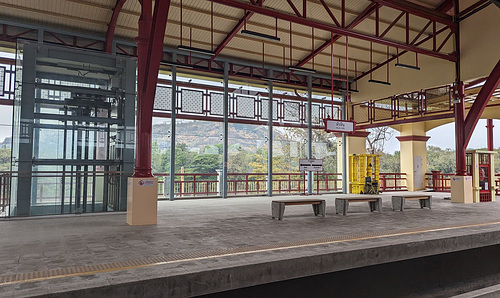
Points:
(202, 246)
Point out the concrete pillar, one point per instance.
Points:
(355, 144)
(413, 155)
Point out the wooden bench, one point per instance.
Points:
(342, 204)
(278, 206)
(398, 202)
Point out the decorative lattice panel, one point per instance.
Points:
(191, 101)
(217, 104)
(2, 80)
(163, 98)
(315, 113)
(327, 113)
(361, 113)
(408, 104)
(245, 107)
(382, 109)
(291, 111)
(265, 109)
(437, 99)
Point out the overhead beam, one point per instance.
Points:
(295, 10)
(235, 30)
(394, 57)
(365, 14)
(474, 8)
(445, 6)
(329, 11)
(480, 102)
(420, 11)
(330, 28)
(110, 34)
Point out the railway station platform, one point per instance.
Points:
(233, 248)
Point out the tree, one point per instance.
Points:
(390, 163)
(156, 158)
(377, 138)
(206, 163)
(441, 159)
(239, 162)
(4, 159)
(292, 136)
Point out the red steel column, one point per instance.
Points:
(142, 167)
(460, 145)
(489, 127)
(458, 96)
(150, 53)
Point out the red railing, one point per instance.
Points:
(438, 181)
(189, 185)
(246, 183)
(392, 181)
(5, 180)
(497, 184)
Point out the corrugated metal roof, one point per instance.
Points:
(94, 16)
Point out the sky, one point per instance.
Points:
(444, 137)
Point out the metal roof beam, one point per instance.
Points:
(235, 30)
(420, 11)
(365, 14)
(333, 29)
(394, 57)
(445, 6)
(110, 34)
(481, 102)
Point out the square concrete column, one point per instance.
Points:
(413, 146)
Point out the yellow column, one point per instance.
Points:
(413, 155)
(355, 144)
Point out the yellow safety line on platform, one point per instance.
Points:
(102, 268)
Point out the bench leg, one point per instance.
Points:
(398, 203)
(275, 210)
(341, 206)
(425, 203)
(322, 208)
(315, 209)
(281, 210)
(375, 206)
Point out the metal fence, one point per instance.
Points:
(392, 181)
(438, 181)
(497, 184)
(193, 185)
(57, 189)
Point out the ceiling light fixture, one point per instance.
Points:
(350, 90)
(196, 50)
(302, 69)
(176, 64)
(407, 66)
(379, 82)
(274, 79)
(259, 35)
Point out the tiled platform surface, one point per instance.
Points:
(208, 245)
